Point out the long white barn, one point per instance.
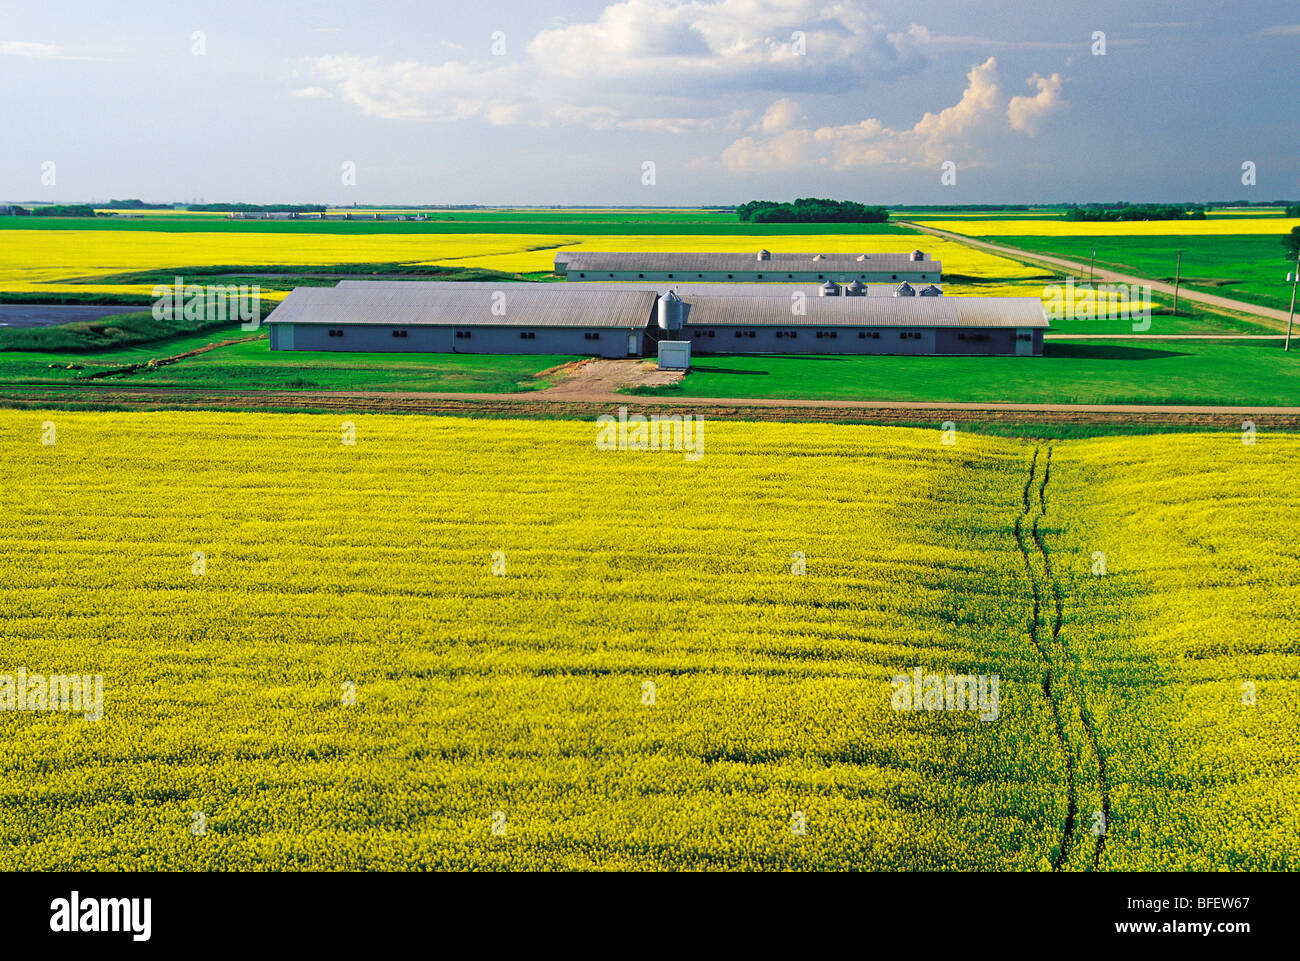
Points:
(762, 266)
(623, 320)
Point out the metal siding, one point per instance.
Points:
(933, 341)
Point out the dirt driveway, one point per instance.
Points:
(597, 379)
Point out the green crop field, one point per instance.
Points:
(1070, 372)
(403, 652)
(250, 364)
(1249, 267)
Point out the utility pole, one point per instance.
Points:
(1178, 269)
(1295, 279)
(1090, 263)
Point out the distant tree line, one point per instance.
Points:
(133, 205)
(1293, 210)
(260, 208)
(1126, 211)
(54, 210)
(811, 210)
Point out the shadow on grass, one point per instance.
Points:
(1107, 352)
(704, 369)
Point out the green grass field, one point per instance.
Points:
(252, 365)
(1249, 267)
(1079, 372)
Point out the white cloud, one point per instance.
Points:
(1024, 113)
(1281, 30)
(669, 65)
(953, 133)
(782, 115)
(311, 93)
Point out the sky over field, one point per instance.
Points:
(568, 102)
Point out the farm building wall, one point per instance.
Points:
(759, 276)
(808, 339)
(439, 339)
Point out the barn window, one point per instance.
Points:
(862, 335)
(760, 276)
(670, 276)
(893, 276)
(582, 275)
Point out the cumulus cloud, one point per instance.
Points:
(1024, 113)
(669, 65)
(782, 115)
(952, 133)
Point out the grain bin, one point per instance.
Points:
(670, 312)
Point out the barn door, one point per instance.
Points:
(632, 345)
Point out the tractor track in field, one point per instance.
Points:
(1067, 832)
(1085, 716)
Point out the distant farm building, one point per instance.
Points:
(759, 267)
(627, 320)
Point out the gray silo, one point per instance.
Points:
(670, 312)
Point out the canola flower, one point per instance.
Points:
(49, 260)
(457, 643)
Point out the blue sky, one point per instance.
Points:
(532, 103)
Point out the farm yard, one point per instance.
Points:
(117, 260)
(560, 660)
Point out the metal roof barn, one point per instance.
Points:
(758, 311)
(403, 304)
(700, 288)
(594, 261)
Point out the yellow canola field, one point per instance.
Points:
(43, 260)
(1132, 228)
(484, 644)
